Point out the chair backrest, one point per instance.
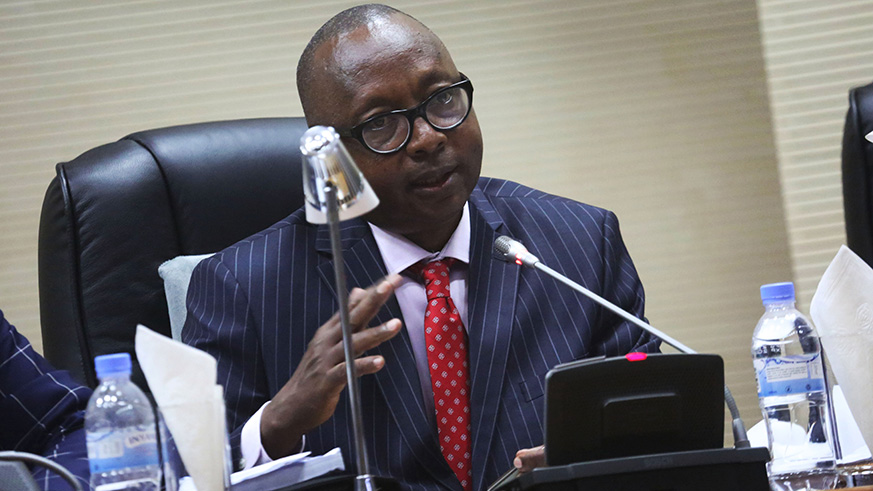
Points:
(115, 213)
(858, 173)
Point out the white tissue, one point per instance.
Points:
(182, 380)
(842, 310)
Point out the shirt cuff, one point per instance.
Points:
(252, 450)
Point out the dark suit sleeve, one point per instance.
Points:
(219, 322)
(621, 286)
(42, 409)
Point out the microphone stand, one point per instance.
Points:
(364, 481)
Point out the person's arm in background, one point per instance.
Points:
(42, 409)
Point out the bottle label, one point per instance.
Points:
(789, 375)
(135, 446)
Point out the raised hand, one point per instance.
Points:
(310, 396)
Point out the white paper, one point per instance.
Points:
(182, 380)
(302, 467)
(842, 311)
(269, 466)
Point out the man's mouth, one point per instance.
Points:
(433, 181)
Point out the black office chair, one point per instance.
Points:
(116, 212)
(858, 173)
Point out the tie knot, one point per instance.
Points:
(436, 277)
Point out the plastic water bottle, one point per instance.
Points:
(120, 431)
(793, 394)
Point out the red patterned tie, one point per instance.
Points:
(446, 342)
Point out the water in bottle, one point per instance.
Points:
(120, 431)
(792, 394)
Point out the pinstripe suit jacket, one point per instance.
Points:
(42, 409)
(255, 306)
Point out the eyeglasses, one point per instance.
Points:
(389, 132)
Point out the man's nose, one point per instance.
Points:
(424, 138)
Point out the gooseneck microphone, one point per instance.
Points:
(515, 251)
(511, 250)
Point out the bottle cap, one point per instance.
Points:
(777, 292)
(114, 364)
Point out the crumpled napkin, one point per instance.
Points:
(842, 310)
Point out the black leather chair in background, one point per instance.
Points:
(116, 212)
(858, 173)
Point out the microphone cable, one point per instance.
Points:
(30, 458)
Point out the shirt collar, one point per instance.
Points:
(399, 253)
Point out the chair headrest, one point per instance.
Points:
(116, 212)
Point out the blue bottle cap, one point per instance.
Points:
(777, 292)
(114, 364)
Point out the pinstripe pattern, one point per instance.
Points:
(244, 301)
(42, 409)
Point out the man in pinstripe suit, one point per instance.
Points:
(42, 409)
(265, 306)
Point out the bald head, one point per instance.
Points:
(351, 41)
(370, 61)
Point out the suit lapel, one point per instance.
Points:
(398, 380)
(491, 297)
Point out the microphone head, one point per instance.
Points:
(502, 245)
(514, 251)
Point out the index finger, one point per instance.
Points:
(363, 306)
(372, 299)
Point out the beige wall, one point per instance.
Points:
(814, 51)
(657, 110)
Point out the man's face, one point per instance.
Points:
(395, 65)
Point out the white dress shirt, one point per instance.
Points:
(398, 254)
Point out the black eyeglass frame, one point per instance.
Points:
(411, 114)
